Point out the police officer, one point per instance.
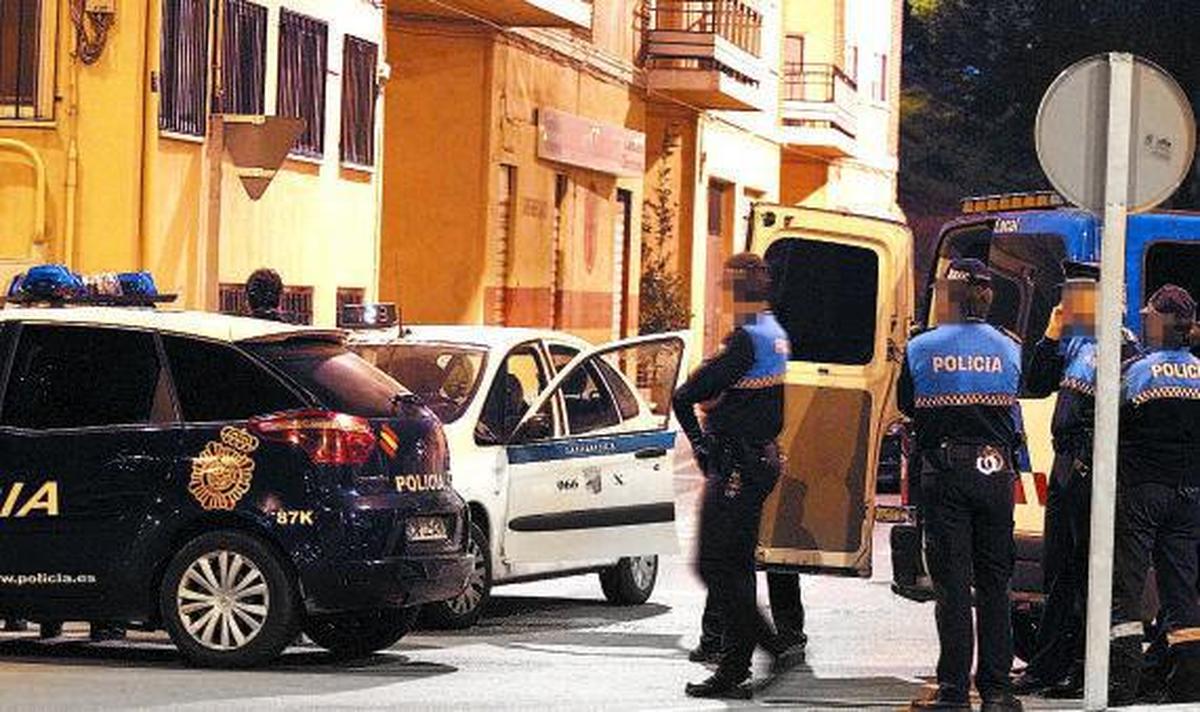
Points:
(1065, 360)
(1158, 499)
(959, 385)
(742, 387)
(264, 292)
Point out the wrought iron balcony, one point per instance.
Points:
(509, 13)
(706, 52)
(818, 110)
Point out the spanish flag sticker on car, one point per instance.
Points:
(389, 441)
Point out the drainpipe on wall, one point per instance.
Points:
(149, 132)
(72, 183)
(380, 137)
(210, 248)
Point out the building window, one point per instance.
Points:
(184, 71)
(244, 59)
(359, 59)
(879, 90)
(296, 304)
(26, 60)
(302, 65)
(349, 295)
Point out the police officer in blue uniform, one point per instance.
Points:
(959, 385)
(1065, 360)
(1158, 500)
(741, 390)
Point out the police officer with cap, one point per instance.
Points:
(741, 388)
(264, 293)
(1065, 361)
(1158, 500)
(959, 385)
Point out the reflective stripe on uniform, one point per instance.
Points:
(1127, 630)
(751, 384)
(1183, 635)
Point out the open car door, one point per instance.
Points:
(589, 466)
(844, 295)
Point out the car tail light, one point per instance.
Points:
(328, 438)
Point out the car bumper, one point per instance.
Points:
(392, 583)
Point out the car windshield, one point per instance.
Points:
(445, 376)
(339, 378)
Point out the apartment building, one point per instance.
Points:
(129, 139)
(526, 139)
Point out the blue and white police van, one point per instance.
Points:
(1025, 238)
(230, 480)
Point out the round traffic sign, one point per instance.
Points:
(1072, 134)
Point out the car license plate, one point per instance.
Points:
(425, 528)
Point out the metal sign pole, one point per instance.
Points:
(1108, 379)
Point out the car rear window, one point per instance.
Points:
(215, 382)
(446, 377)
(339, 378)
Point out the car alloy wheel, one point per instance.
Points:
(643, 570)
(223, 600)
(477, 585)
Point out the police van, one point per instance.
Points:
(848, 293)
(231, 480)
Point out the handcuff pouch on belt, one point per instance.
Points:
(983, 457)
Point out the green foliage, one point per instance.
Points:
(664, 293)
(975, 72)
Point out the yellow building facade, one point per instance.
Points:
(109, 160)
(514, 165)
(498, 211)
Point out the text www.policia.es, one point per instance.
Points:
(46, 579)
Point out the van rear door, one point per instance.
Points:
(844, 294)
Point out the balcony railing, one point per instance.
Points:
(734, 20)
(817, 83)
(819, 108)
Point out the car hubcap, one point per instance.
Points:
(223, 600)
(472, 595)
(643, 568)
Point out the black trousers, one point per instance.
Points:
(1157, 524)
(969, 529)
(739, 478)
(1061, 638)
(787, 613)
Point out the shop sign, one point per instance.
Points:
(579, 141)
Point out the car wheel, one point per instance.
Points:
(227, 601)
(356, 635)
(464, 610)
(631, 581)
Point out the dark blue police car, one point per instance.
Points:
(233, 481)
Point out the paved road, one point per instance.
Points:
(546, 645)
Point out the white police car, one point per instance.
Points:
(560, 449)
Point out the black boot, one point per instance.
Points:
(787, 656)
(1183, 681)
(943, 702)
(720, 686)
(705, 654)
(1071, 688)
(1002, 703)
(1029, 683)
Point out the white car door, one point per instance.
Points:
(589, 469)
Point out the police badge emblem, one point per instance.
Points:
(222, 472)
(990, 460)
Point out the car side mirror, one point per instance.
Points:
(540, 426)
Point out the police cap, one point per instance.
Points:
(1081, 270)
(969, 270)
